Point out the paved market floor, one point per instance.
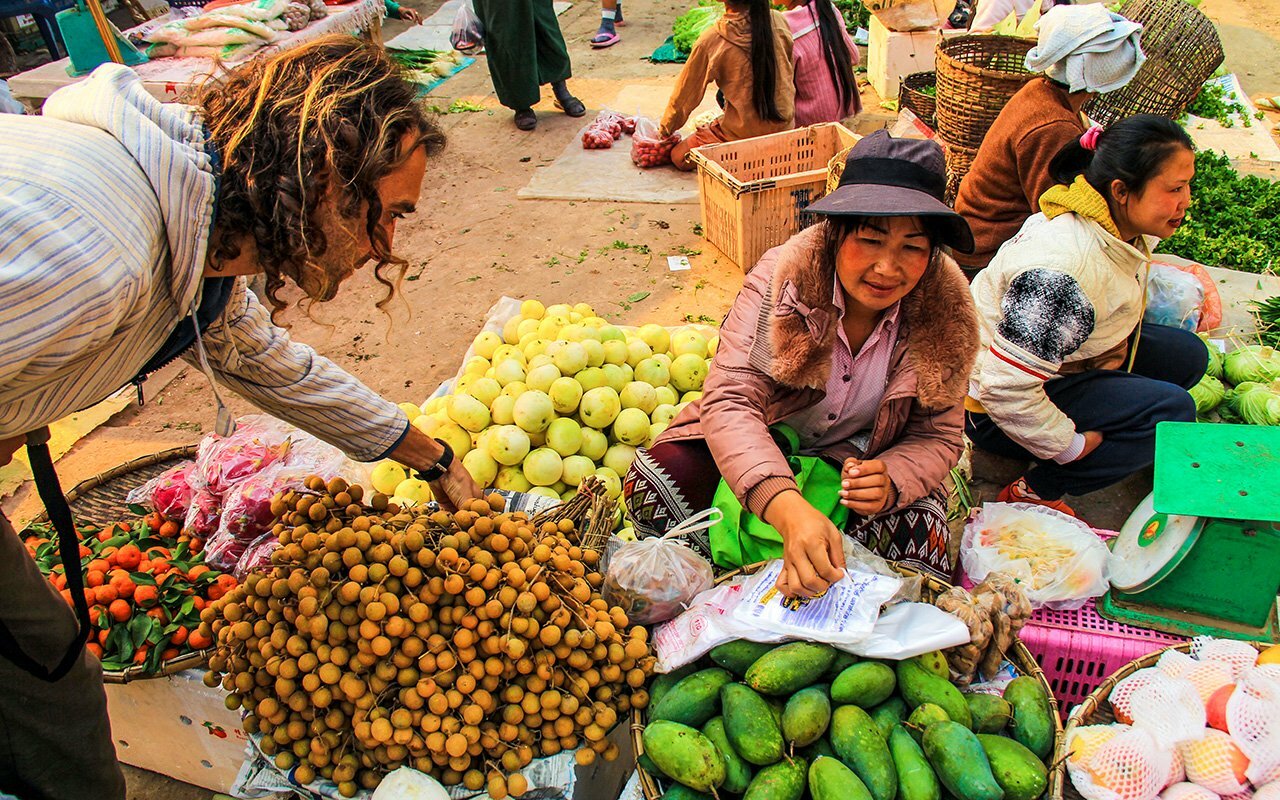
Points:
(473, 241)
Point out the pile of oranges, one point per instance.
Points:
(144, 584)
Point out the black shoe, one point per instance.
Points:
(526, 120)
(571, 105)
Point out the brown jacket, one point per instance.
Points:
(1003, 187)
(722, 55)
(773, 362)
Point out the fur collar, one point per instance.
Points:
(939, 320)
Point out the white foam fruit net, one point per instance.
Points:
(1175, 663)
(1216, 763)
(1236, 655)
(1208, 677)
(1167, 708)
(1177, 769)
(1129, 766)
(1187, 791)
(1253, 717)
(1268, 791)
(1122, 695)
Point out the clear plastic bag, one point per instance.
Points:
(168, 493)
(648, 147)
(222, 462)
(845, 614)
(654, 579)
(467, 33)
(1058, 559)
(257, 554)
(1174, 298)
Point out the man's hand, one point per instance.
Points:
(865, 487)
(10, 446)
(410, 15)
(420, 452)
(812, 547)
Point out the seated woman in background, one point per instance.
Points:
(747, 55)
(1070, 377)
(858, 333)
(824, 56)
(1011, 169)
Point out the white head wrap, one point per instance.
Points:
(1088, 48)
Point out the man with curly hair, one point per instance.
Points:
(128, 230)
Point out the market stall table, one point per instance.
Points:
(170, 78)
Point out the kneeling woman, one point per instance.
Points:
(858, 334)
(1070, 376)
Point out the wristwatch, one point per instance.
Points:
(438, 470)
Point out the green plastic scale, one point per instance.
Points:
(1201, 554)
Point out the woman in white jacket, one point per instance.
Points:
(1069, 376)
(127, 231)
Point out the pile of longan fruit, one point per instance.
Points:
(463, 645)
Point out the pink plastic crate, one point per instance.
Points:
(1078, 649)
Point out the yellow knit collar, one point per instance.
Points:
(1079, 198)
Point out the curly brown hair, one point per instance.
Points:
(331, 114)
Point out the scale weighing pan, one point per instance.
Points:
(1218, 470)
(1150, 546)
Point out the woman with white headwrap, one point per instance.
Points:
(1082, 51)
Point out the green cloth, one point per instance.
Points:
(393, 9)
(668, 54)
(742, 538)
(524, 48)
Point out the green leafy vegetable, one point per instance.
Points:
(1208, 393)
(1254, 363)
(1268, 315)
(1214, 370)
(1257, 403)
(690, 25)
(1234, 220)
(1216, 103)
(856, 15)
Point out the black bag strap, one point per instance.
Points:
(55, 503)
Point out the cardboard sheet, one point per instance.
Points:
(609, 175)
(433, 33)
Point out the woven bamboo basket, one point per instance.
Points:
(1096, 710)
(959, 159)
(977, 75)
(101, 500)
(1183, 51)
(835, 169)
(931, 587)
(912, 97)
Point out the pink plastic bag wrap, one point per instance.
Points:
(169, 492)
(222, 463)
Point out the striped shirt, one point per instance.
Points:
(106, 203)
(817, 95)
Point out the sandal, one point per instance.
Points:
(605, 39)
(571, 106)
(526, 119)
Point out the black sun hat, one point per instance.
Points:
(888, 177)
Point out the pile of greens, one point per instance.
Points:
(1267, 313)
(690, 25)
(855, 13)
(1234, 220)
(1241, 387)
(1216, 103)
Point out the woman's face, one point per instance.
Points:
(879, 263)
(1162, 204)
(348, 247)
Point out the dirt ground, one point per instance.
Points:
(473, 241)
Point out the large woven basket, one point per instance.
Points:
(931, 587)
(101, 500)
(959, 159)
(977, 74)
(912, 97)
(1096, 710)
(1183, 50)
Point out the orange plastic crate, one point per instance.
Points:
(754, 191)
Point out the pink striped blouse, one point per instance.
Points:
(817, 98)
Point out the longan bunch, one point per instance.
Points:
(464, 645)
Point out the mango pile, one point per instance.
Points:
(463, 645)
(803, 720)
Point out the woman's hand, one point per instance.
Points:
(420, 452)
(812, 547)
(866, 488)
(410, 15)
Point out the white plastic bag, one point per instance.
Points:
(707, 622)
(844, 614)
(654, 579)
(1058, 559)
(467, 33)
(1174, 298)
(910, 629)
(409, 784)
(648, 147)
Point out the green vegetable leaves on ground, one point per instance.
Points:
(690, 25)
(1234, 220)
